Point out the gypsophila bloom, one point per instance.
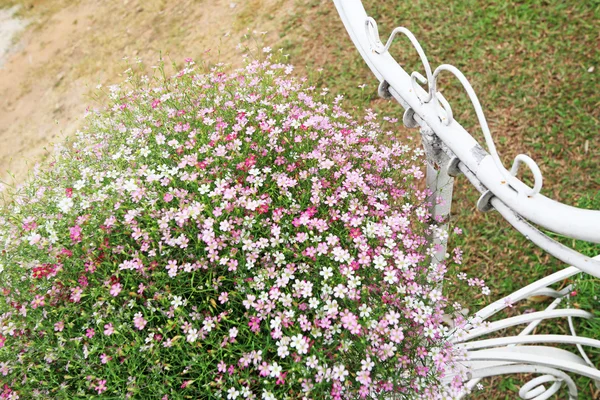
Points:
(227, 235)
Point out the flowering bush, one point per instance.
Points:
(224, 235)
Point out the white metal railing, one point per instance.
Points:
(452, 150)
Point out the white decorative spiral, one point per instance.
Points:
(444, 109)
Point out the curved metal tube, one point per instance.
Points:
(512, 340)
(518, 203)
(566, 363)
(533, 387)
(522, 319)
(525, 201)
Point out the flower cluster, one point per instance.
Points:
(225, 235)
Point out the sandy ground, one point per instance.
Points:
(69, 47)
(10, 27)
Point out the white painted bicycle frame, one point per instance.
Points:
(452, 150)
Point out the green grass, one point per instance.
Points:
(588, 293)
(528, 61)
(534, 65)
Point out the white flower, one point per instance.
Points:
(268, 395)
(65, 204)
(331, 307)
(326, 273)
(340, 373)
(435, 295)
(130, 185)
(367, 364)
(340, 254)
(365, 310)
(79, 184)
(312, 362)
(326, 164)
(379, 262)
(393, 317)
(232, 393)
(245, 391)
(192, 335)
(203, 189)
(34, 238)
(300, 344)
(208, 324)
(225, 226)
(429, 331)
(177, 301)
(353, 282)
(296, 340)
(283, 351)
(275, 323)
(390, 277)
(390, 243)
(275, 371)
(340, 291)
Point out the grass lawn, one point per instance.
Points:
(534, 65)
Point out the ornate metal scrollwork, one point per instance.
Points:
(455, 152)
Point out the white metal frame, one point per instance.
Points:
(452, 150)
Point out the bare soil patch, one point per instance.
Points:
(71, 47)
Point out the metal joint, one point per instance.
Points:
(484, 204)
(452, 167)
(409, 118)
(383, 90)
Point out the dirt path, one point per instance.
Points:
(10, 26)
(71, 47)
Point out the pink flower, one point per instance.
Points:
(281, 379)
(185, 384)
(172, 268)
(29, 224)
(75, 233)
(104, 358)
(101, 386)
(90, 333)
(59, 326)
(38, 301)
(108, 329)
(138, 321)
(254, 324)
(2, 340)
(4, 370)
(76, 294)
(116, 289)
(264, 369)
(224, 297)
(222, 367)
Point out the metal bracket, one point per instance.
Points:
(452, 167)
(484, 203)
(409, 118)
(383, 90)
